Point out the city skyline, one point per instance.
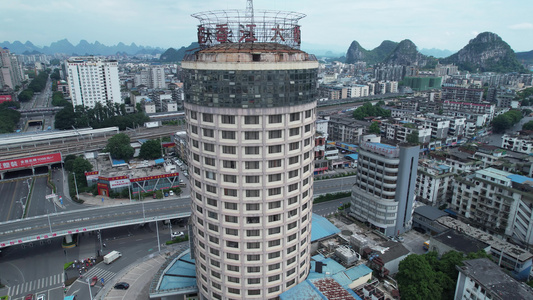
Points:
(165, 23)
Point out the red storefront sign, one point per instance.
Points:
(30, 161)
(154, 177)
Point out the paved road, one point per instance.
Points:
(14, 194)
(38, 204)
(335, 185)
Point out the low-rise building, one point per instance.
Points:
(482, 279)
(520, 142)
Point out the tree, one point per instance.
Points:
(25, 95)
(412, 138)
(150, 150)
(501, 123)
(374, 128)
(417, 280)
(528, 126)
(119, 147)
(80, 165)
(65, 118)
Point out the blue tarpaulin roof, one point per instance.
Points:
(118, 162)
(159, 161)
(519, 178)
(322, 228)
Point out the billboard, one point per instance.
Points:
(29, 162)
(119, 183)
(5, 98)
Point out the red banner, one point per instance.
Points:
(113, 178)
(5, 98)
(154, 177)
(30, 161)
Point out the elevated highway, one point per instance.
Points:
(71, 222)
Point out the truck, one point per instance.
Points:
(112, 256)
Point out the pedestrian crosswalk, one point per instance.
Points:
(36, 285)
(100, 273)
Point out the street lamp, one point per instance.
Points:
(89, 286)
(76, 185)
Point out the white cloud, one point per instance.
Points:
(521, 26)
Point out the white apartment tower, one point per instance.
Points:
(250, 103)
(10, 71)
(92, 80)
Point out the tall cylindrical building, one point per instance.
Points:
(250, 102)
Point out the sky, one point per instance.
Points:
(329, 25)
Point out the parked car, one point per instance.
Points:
(122, 286)
(171, 193)
(29, 297)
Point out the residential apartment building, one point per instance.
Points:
(497, 201)
(345, 129)
(461, 94)
(93, 80)
(358, 90)
(398, 131)
(477, 108)
(251, 146)
(384, 189)
(10, 71)
(432, 182)
(522, 143)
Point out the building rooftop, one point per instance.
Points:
(322, 228)
(460, 242)
(496, 243)
(430, 212)
(487, 273)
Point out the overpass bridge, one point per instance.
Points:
(45, 227)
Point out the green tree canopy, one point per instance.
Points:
(528, 126)
(79, 166)
(65, 118)
(417, 280)
(369, 110)
(413, 138)
(9, 116)
(374, 128)
(150, 150)
(25, 95)
(502, 123)
(119, 147)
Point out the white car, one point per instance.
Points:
(171, 193)
(177, 234)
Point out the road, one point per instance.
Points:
(38, 269)
(335, 185)
(64, 223)
(38, 204)
(495, 139)
(14, 195)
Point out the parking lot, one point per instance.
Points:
(414, 241)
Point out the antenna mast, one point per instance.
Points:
(250, 11)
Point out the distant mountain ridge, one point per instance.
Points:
(83, 48)
(173, 55)
(487, 52)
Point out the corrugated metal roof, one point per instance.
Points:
(358, 272)
(322, 228)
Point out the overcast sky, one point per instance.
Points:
(330, 25)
